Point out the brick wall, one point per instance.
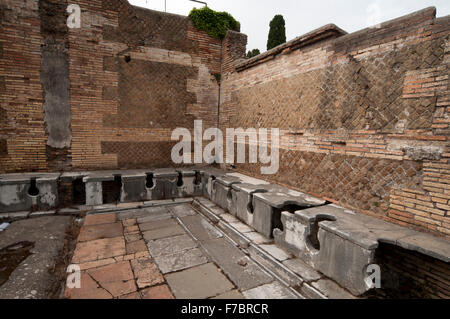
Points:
(22, 133)
(134, 75)
(363, 117)
(147, 73)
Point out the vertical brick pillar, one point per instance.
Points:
(233, 49)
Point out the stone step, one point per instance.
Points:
(292, 271)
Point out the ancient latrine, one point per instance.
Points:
(364, 121)
(364, 116)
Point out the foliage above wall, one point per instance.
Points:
(216, 24)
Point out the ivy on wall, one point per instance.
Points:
(216, 24)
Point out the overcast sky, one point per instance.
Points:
(302, 16)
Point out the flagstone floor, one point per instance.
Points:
(164, 253)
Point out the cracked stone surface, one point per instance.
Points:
(199, 282)
(171, 245)
(31, 278)
(117, 278)
(181, 260)
(230, 258)
(146, 272)
(158, 292)
(99, 249)
(174, 251)
(90, 290)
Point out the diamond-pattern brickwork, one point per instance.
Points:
(143, 27)
(152, 94)
(146, 73)
(356, 182)
(360, 94)
(139, 154)
(363, 118)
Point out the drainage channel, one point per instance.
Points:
(263, 267)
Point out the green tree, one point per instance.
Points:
(277, 33)
(253, 53)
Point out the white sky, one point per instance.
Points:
(302, 16)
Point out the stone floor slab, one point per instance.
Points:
(146, 272)
(100, 231)
(99, 219)
(119, 288)
(129, 238)
(159, 292)
(32, 278)
(96, 263)
(179, 261)
(157, 224)
(276, 252)
(136, 247)
(120, 271)
(199, 283)
(115, 278)
(201, 228)
(131, 229)
(133, 295)
(99, 249)
(244, 272)
(163, 233)
(129, 222)
(273, 290)
(89, 289)
(171, 245)
(230, 295)
(183, 211)
(307, 273)
(154, 214)
(132, 214)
